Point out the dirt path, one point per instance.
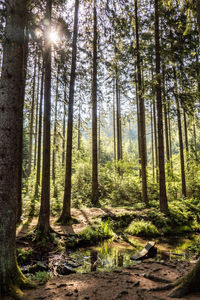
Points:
(129, 284)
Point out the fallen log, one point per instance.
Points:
(148, 251)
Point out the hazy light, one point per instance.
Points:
(54, 37)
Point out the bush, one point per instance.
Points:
(142, 228)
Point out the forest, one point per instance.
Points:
(99, 149)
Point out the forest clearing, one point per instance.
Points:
(99, 149)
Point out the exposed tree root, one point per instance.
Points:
(15, 283)
(187, 284)
(156, 278)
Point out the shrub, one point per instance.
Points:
(142, 228)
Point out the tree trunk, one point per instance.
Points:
(114, 124)
(66, 211)
(11, 109)
(54, 134)
(180, 135)
(36, 114)
(152, 145)
(198, 16)
(44, 215)
(37, 183)
(95, 192)
(20, 134)
(163, 195)
(64, 121)
(32, 119)
(142, 135)
(79, 127)
(165, 115)
(195, 140)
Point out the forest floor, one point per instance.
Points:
(135, 282)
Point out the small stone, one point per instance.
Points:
(69, 294)
(76, 291)
(61, 285)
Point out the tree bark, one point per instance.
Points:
(114, 124)
(36, 114)
(95, 192)
(142, 135)
(64, 129)
(180, 135)
(11, 110)
(20, 132)
(55, 132)
(32, 119)
(44, 215)
(66, 211)
(163, 195)
(37, 183)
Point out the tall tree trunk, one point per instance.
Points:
(118, 117)
(32, 120)
(95, 192)
(11, 109)
(99, 136)
(165, 115)
(186, 131)
(170, 136)
(44, 215)
(152, 145)
(114, 124)
(79, 127)
(195, 140)
(54, 134)
(64, 121)
(138, 123)
(36, 114)
(180, 135)
(155, 125)
(141, 112)
(37, 183)
(163, 195)
(20, 133)
(66, 211)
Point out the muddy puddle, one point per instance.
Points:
(115, 253)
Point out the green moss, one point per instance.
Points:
(23, 255)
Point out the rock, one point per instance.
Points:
(121, 294)
(64, 269)
(61, 285)
(69, 294)
(76, 291)
(86, 297)
(39, 266)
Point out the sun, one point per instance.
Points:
(54, 37)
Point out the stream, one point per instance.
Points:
(115, 253)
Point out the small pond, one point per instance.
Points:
(115, 253)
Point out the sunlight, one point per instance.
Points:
(54, 36)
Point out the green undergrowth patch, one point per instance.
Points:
(142, 228)
(24, 255)
(40, 277)
(91, 235)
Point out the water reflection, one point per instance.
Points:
(110, 255)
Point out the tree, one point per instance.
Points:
(95, 193)
(142, 135)
(44, 216)
(11, 107)
(66, 210)
(163, 195)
